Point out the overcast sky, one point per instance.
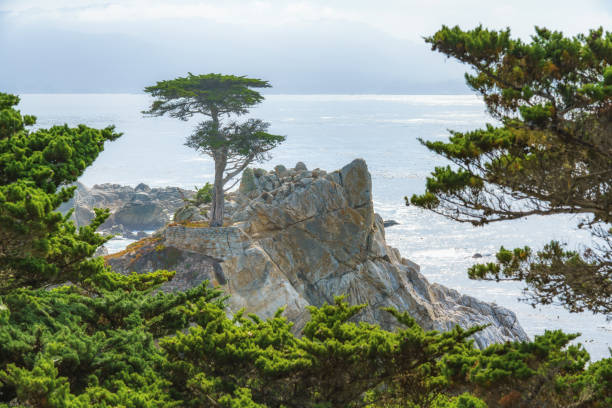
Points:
(300, 46)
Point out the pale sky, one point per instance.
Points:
(303, 46)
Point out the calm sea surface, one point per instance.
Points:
(328, 131)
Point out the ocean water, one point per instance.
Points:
(327, 132)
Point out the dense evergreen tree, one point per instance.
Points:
(60, 348)
(232, 145)
(39, 246)
(551, 154)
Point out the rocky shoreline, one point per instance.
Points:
(134, 210)
(293, 238)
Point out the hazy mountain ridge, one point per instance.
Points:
(303, 58)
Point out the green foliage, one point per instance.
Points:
(525, 373)
(462, 401)
(553, 274)
(248, 139)
(552, 154)
(208, 94)
(335, 363)
(64, 348)
(39, 246)
(128, 348)
(203, 195)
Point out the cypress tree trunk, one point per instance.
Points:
(220, 157)
(218, 198)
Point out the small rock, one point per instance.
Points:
(101, 251)
(281, 171)
(142, 187)
(138, 235)
(334, 177)
(140, 215)
(266, 183)
(230, 206)
(117, 229)
(390, 223)
(141, 235)
(316, 173)
(188, 213)
(300, 166)
(259, 172)
(357, 183)
(247, 183)
(477, 255)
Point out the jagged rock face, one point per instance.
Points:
(134, 208)
(299, 238)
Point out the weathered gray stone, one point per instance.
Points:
(281, 171)
(142, 187)
(137, 235)
(259, 172)
(139, 208)
(247, 182)
(357, 183)
(305, 242)
(139, 216)
(101, 251)
(334, 177)
(316, 173)
(189, 214)
(306, 180)
(300, 166)
(218, 243)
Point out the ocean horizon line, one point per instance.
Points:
(263, 93)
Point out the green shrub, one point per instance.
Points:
(203, 195)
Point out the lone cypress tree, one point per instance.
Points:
(552, 154)
(233, 146)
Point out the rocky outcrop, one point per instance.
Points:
(139, 208)
(295, 238)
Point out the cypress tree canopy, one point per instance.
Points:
(207, 94)
(551, 154)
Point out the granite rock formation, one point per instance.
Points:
(294, 238)
(139, 208)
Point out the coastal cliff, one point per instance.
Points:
(294, 238)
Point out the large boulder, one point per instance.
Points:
(140, 215)
(189, 213)
(299, 238)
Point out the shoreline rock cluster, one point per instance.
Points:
(134, 210)
(293, 238)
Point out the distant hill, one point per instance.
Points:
(321, 58)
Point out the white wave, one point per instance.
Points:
(117, 244)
